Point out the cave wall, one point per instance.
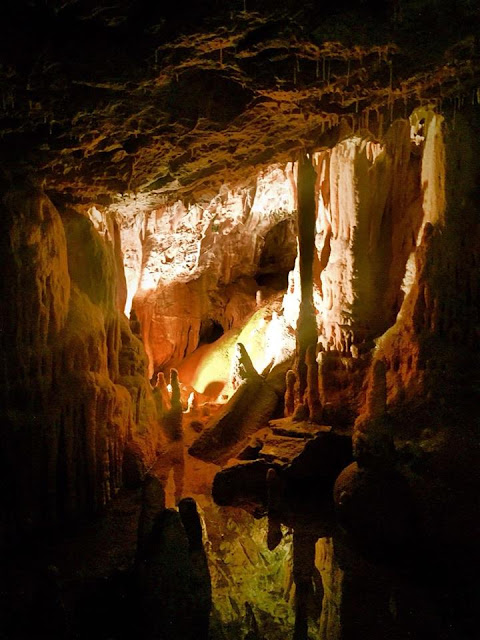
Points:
(75, 397)
(190, 264)
(369, 209)
(430, 355)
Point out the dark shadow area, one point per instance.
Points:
(210, 331)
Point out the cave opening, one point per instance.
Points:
(210, 331)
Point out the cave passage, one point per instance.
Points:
(239, 320)
(210, 331)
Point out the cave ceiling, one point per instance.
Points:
(100, 98)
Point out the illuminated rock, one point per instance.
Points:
(361, 183)
(70, 372)
(242, 368)
(249, 409)
(188, 265)
(290, 393)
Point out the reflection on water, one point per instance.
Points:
(312, 587)
(294, 574)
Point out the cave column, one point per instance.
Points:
(306, 334)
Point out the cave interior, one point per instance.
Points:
(240, 319)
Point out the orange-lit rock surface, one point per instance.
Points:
(368, 216)
(171, 150)
(74, 392)
(190, 265)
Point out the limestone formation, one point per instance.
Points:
(194, 264)
(173, 417)
(377, 509)
(201, 582)
(162, 169)
(306, 331)
(274, 497)
(373, 438)
(135, 326)
(72, 371)
(161, 395)
(249, 409)
(312, 395)
(303, 569)
(153, 504)
(301, 455)
(165, 581)
(290, 393)
(242, 367)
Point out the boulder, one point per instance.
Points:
(249, 409)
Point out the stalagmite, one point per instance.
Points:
(242, 367)
(200, 575)
(290, 393)
(303, 569)
(252, 404)
(313, 397)
(161, 395)
(274, 488)
(153, 504)
(277, 240)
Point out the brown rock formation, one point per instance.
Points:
(290, 393)
(171, 570)
(169, 102)
(368, 211)
(306, 332)
(189, 266)
(313, 394)
(65, 405)
(178, 145)
(251, 406)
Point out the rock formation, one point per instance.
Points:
(171, 568)
(74, 392)
(275, 208)
(251, 406)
